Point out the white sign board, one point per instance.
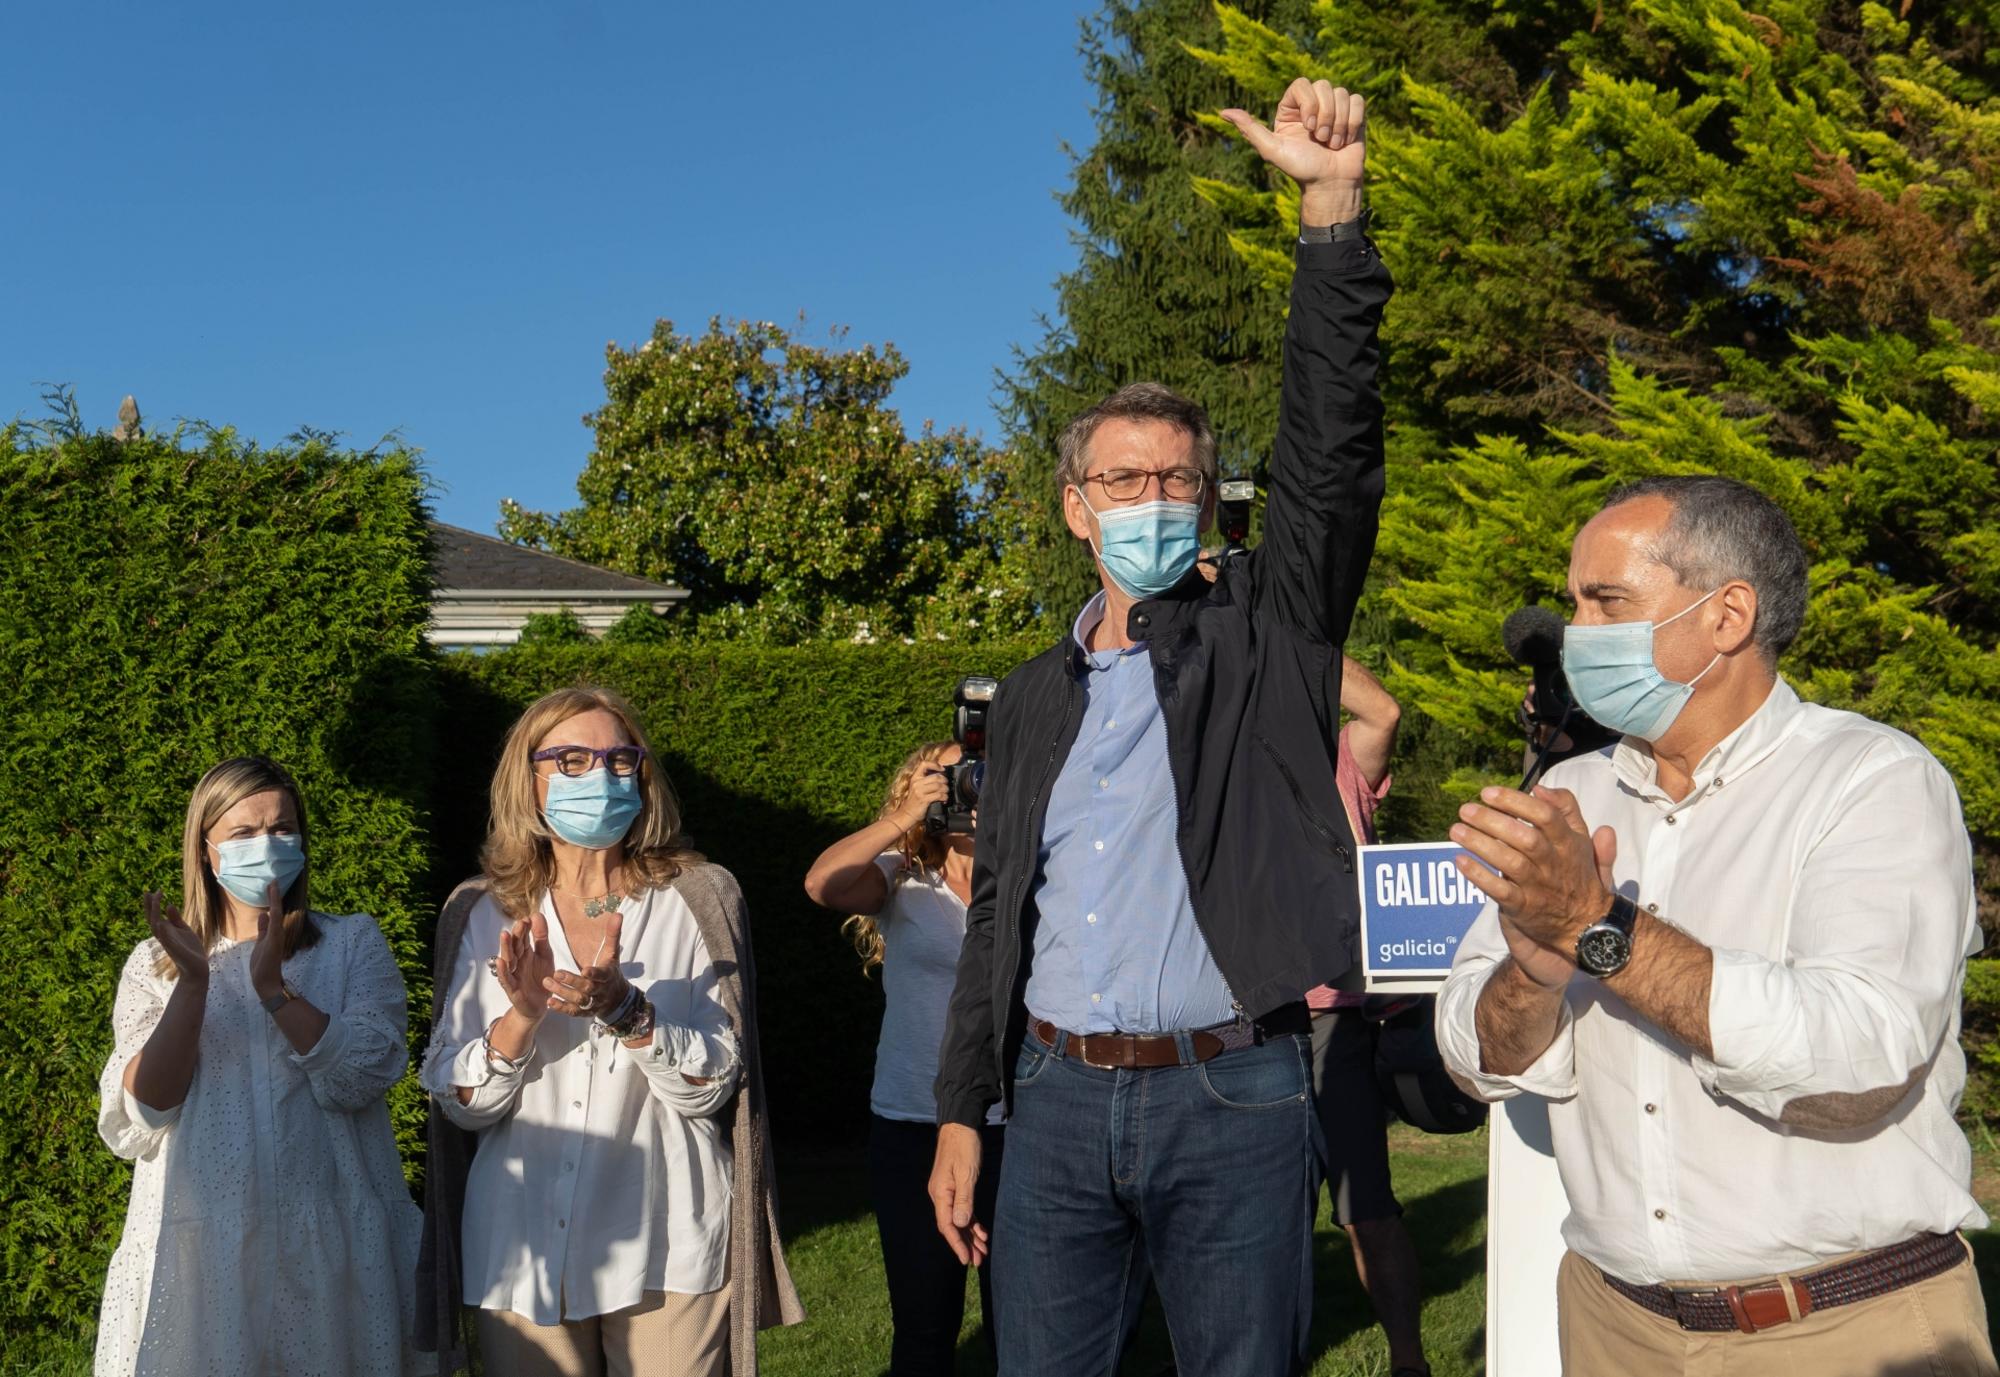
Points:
(1415, 908)
(1525, 1209)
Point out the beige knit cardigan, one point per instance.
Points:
(761, 1291)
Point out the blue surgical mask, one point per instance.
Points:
(593, 811)
(1614, 678)
(247, 866)
(1148, 548)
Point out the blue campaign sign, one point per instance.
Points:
(1415, 907)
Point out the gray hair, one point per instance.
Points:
(1142, 401)
(1722, 530)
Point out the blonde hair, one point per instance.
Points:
(202, 901)
(519, 856)
(922, 850)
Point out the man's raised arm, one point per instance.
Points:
(1326, 467)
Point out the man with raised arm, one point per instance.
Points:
(1729, 950)
(1160, 839)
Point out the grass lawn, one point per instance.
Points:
(838, 1265)
(1442, 1182)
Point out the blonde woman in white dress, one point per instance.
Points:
(269, 1231)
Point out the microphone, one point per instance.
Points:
(1533, 637)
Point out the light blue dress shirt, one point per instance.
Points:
(1116, 947)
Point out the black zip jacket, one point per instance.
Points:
(1246, 671)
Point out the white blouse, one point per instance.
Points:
(602, 1172)
(923, 926)
(269, 1231)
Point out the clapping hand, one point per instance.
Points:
(524, 966)
(597, 991)
(267, 957)
(1318, 136)
(176, 938)
(1555, 873)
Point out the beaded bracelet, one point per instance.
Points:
(640, 1025)
(620, 1019)
(633, 1017)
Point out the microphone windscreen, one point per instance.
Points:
(1533, 636)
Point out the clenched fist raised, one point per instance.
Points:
(1319, 139)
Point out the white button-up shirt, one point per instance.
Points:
(601, 1173)
(1824, 859)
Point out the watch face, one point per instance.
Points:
(1603, 950)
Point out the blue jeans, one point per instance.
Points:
(1204, 1176)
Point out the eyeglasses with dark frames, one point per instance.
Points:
(581, 760)
(1122, 485)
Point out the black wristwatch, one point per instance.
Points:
(1606, 945)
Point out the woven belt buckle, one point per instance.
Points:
(1678, 1294)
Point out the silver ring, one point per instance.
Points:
(493, 965)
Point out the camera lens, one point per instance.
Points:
(974, 780)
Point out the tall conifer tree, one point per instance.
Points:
(1645, 236)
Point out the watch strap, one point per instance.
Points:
(285, 995)
(1341, 233)
(1623, 914)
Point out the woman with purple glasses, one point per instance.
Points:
(595, 1033)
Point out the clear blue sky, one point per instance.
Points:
(430, 217)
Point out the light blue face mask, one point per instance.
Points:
(1148, 548)
(1613, 677)
(246, 866)
(593, 811)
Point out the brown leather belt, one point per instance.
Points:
(1751, 1308)
(1135, 1051)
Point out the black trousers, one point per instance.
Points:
(926, 1280)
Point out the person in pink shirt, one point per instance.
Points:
(1352, 1117)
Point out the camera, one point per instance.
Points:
(962, 781)
(1233, 500)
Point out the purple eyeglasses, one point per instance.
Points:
(581, 760)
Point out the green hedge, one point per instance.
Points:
(1979, 1111)
(164, 606)
(775, 753)
(161, 608)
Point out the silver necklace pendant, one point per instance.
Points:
(608, 904)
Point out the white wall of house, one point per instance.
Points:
(469, 618)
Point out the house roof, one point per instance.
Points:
(466, 561)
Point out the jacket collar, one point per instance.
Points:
(1150, 619)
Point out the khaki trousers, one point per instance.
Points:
(666, 1335)
(1936, 1328)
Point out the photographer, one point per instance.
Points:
(1161, 834)
(906, 885)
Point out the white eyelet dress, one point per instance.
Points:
(270, 1231)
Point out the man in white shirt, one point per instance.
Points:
(1729, 950)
